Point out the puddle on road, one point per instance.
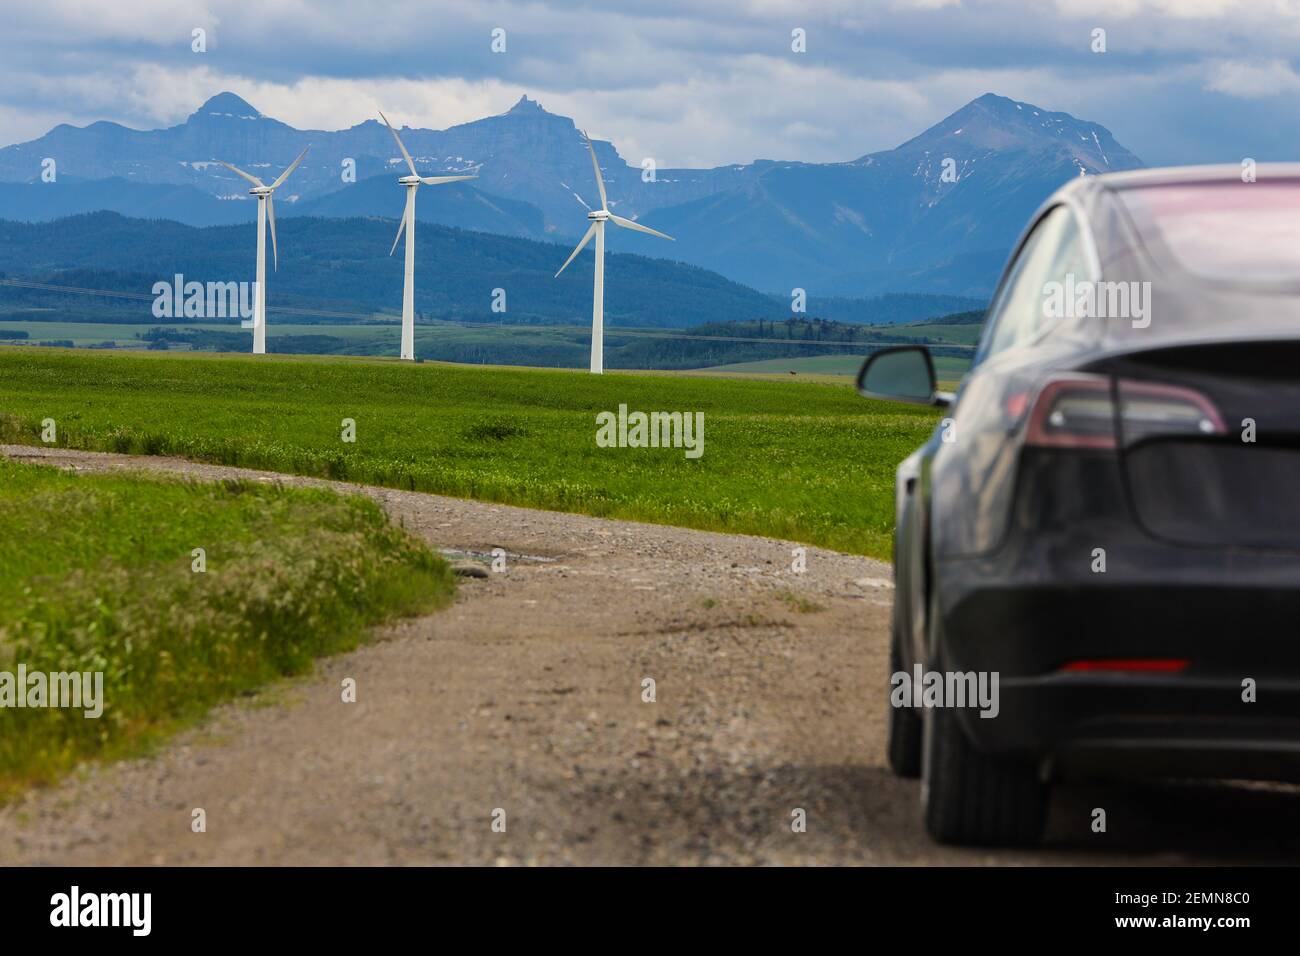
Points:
(458, 554)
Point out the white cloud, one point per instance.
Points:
(686, 83)
(1253, 80)
(1181, 9)
(159, 22)
(806, 112)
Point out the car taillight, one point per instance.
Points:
(1160, 665)
(1148, 409)
(1079, 411)
(1073, 412)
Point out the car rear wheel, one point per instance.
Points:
(971, 799)
(904, 727)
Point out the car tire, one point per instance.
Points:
(905, 728)
(971, 799)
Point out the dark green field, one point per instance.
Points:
(731, 347)
(947, 369)
(808, 462)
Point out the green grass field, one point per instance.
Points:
(808, 462)
(381, 337)
(956, 334)
(947, 368)
(123, 335)
(97, 575)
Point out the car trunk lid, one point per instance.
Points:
(1209, 438)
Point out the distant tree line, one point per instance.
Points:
(700, 347)
(342, 265)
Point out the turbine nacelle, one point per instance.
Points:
(407, 225)
(598, 218)
(265, 215)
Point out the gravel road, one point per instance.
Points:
(524, 700)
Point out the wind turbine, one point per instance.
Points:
(412, 183)
(598, 218)
(265, 206)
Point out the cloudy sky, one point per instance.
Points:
(691, 83)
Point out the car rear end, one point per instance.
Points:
(1136, 581)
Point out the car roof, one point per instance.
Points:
(1088, 192)
(1095, 198)
(1259, 311)
(1176, 175)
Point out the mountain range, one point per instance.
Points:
(937, 214)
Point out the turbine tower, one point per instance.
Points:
(412, 183)
(265, 207)
(598, 218)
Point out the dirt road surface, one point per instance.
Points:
(526, 696)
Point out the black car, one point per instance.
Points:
(1105, 527)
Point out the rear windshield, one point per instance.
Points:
(1229, 231)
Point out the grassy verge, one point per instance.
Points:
(97, 575)
(813, 463)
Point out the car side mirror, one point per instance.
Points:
(902, 374)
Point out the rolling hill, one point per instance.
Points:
(344, 264)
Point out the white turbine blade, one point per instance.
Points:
(585, 239)
(439, 180)
(270, 214)
(285, 175)
(629, 224)
(410, 198)
(405, 155)
(401, 227)
(600, 183)
(239, 172)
